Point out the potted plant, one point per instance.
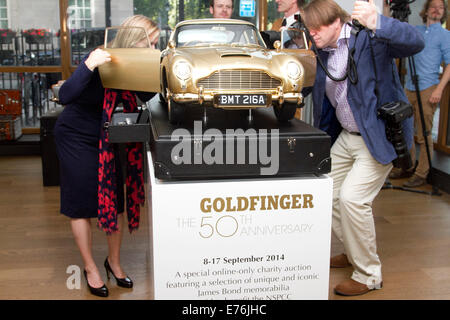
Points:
(33, 36)
(6, 36)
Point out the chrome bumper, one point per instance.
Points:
(210, 98)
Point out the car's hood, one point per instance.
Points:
(208, 59)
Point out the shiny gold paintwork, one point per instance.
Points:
(150, 70)
(308, 60)
(132, 69)
(207, 60)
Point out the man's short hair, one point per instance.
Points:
(211, 3)
(426, 6)
(319, 13)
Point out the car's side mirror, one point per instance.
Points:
(293, 39)
(171, 44)
(269, 37)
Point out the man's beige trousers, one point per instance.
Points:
(357, 179)
(429, 109)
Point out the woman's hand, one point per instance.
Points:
(97, 58)
(366, 13)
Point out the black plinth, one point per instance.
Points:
(228, 145)
(50, 162)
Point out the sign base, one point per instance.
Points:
(246, 239)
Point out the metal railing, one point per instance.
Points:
(35, 92)
(28, 48)
(40, 47)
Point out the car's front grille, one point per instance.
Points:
(239, 80)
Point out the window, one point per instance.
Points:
(272, 13)
(79, 14)
(3, 14)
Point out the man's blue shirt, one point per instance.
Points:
(428, 61)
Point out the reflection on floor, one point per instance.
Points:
(37, 250)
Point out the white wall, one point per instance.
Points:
(120, 9)
(413, 18)
(26, 14)
(416, 7)
(347, 5)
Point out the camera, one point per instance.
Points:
(393, 113)
(400, 9)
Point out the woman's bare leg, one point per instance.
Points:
(82, 232)
(114, 244)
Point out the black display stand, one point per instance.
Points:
(302, 149)
(50, 162)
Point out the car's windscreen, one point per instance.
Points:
(293, 39)
(217, 34)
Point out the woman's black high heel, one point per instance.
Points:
(100, 292)
(124, 282)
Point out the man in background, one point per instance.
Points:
(427, 62)
(221, 9)
(290, 8)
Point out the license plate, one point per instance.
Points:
(242, 100)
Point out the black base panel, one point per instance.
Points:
(50, 162)
(26, 145)
(119, 131)
(217, 150)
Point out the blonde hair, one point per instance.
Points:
(131, 31)
(319, 13)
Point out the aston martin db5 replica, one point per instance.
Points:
(221, 63)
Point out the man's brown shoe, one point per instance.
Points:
(415, 181)
(339, 261)
(398, 173)
(354, 288)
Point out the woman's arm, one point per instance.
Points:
(79, 80)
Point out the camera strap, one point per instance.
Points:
(351, 71)
(372, 54)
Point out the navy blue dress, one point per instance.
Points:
(77, 133)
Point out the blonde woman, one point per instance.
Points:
(131, 34)
(77, 134)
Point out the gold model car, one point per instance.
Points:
(222, 63)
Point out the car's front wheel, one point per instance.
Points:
(285, 112)
(162, 99)
(163, 94)
(176, 111)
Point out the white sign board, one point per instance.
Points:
(241, 239)
(247, 8)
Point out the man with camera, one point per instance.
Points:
(346, 105)
(427, 62)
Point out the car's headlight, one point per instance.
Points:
(294, 71)
(182, 70)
